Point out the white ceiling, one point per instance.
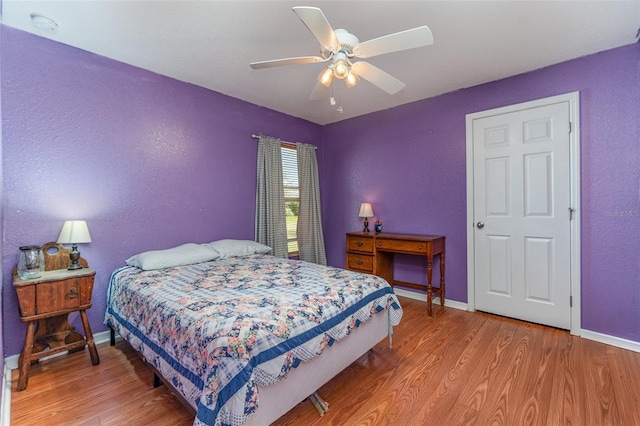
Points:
(211, 43)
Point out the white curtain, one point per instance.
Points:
(271, 226)
(310, 237)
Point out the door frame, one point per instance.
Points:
(574, 152)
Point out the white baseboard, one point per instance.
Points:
(423, 297)
(611, 340)
(5, 407)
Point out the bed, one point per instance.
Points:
(245, 336)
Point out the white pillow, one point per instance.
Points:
(229, 248)
(185, 254)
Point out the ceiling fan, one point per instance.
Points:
(340, 47)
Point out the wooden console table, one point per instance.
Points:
(373, 253)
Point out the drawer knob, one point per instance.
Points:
(73, 293)
(379, 244)
(359, 243)
(419, 247)
(359, 262)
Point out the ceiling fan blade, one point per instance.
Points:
(287, 61)
(319, 92)
(316, 22)
(375, 75)
(395, 42)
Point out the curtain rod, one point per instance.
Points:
(283, 143)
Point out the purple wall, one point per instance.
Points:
(409, 162)
(148, 161)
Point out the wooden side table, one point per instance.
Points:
(47, 301)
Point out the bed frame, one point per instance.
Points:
(279, 398)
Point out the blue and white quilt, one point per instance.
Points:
(217, 330)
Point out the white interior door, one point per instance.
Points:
(522, 209)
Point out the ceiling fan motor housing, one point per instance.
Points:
(347, 41)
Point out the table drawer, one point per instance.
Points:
(401, 246)
(362, 244)
(57, 296)
(360, 262)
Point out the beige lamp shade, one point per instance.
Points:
(74, 232)
(365, 210)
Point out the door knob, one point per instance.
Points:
(480, 225)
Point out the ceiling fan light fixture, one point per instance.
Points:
(352, 79)
(326, 76)
(341, 69)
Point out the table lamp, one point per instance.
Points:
(366, 211)
(74, 232)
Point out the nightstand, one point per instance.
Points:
(48, 300)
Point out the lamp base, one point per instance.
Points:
(366, 226)
(74, 256)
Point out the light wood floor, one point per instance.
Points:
(456, 368)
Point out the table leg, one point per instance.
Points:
(25, 356)
(429, 288)
(91, 344)
(442, 278)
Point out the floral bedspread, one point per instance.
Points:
(219, 329)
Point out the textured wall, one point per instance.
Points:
(148, 161)
(410, 163)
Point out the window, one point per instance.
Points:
(291, 194)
